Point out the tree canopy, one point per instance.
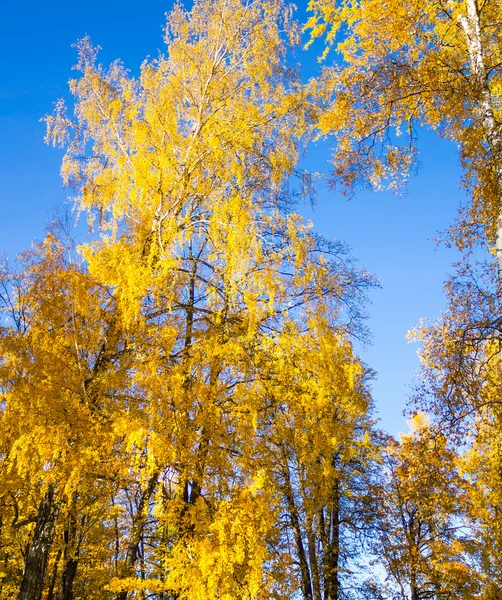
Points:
(183, 412)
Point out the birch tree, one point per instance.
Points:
(173, 366)
(460, 387)
(402, 66)
(424, 538)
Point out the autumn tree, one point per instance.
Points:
(323, 449)
(460, 349)
(432, 64)
(460, 386)
(158, 358)
(60, 351)
(481, 464)
(424, 538)
(402, 66)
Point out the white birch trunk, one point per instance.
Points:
(471, 26)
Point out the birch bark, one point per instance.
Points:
(471, 27)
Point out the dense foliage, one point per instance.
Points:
(183, 414)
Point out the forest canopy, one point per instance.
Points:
(183, 412)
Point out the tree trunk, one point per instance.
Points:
(306, 584)
(70, 557)
(53, 579)
(472, 30)
(137, 530)
(68, 577)
(72, 537)
(331, 579)
(40, 547)
(313, 559)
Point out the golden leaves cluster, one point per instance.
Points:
(153, 384)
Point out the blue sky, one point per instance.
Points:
(391, 236)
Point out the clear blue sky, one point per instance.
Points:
(391, 236)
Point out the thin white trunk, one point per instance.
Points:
(472, 29)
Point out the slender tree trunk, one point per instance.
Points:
(306, 583)
(6, 557)
(40, 547)
(138, 525)
(414, 587)
(331, 578)
(190, 490)
(68, 577)
(70, 557)
(54, 575)
(72, 537)
(313, 559)
(324, 535)
(472, 30)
